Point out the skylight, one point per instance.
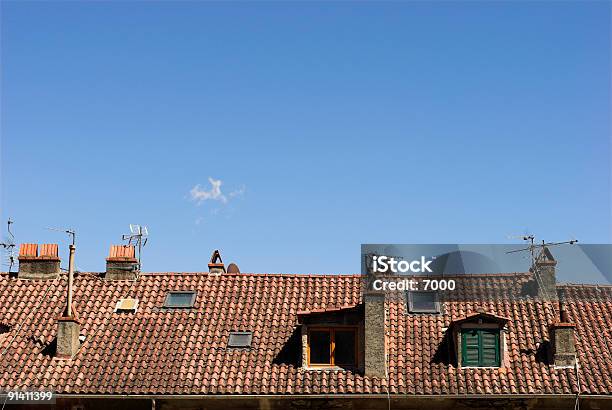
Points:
(182, 299)
(240, 339)
(423, 302)
(126, 305)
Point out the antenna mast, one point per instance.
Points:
(138, 236)
(532, 248)
(9, 245)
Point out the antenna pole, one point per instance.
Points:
(139, 248)
(68, 311)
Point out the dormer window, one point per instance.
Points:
(331, 337)
(332, 346)
(480, 339)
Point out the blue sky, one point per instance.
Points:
(328, 124)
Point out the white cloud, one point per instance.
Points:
(200, 195)
(238, 192)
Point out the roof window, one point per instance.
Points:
(182, 299)
(240, 339)
(423, 302)
(127, 305)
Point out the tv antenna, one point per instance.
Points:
(533, 248)
(138, 236)
(70, 232)
(9, 246)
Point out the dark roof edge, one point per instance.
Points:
(330, 395)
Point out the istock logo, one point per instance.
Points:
(386, 264)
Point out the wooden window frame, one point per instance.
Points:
(479, 331)
(332, 345)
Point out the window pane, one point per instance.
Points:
(179, 299)
(320, 346)
(240, 339)
(423, 302)
(344, 343)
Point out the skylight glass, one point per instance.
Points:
(240, 339)
(183, 299)
(423, 302)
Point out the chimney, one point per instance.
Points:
(68, 327)
(375, 340)
(562, 337)
(33, 265)
(564, 344)
(121, 263)
(546, 281)
(216, 266)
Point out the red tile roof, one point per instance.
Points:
(183, 351)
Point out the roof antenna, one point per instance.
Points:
(532, 248)
(9, 246)
(138, 236)
(70, 232)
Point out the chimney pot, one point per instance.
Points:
(35, 265)
(216, 266)
(121, 263)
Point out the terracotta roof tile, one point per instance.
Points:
(184, 351)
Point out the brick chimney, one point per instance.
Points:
(121, 263)
(564, 344)
(33, 265)
(545, 267)
(375, 340)
(216, 266)
(563, 338)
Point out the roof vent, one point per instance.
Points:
(216, 266)
(233, 268)
(240, 339)
(127, 305)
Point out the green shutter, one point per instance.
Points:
(480, 347)
(489, 348)
(470, 348)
